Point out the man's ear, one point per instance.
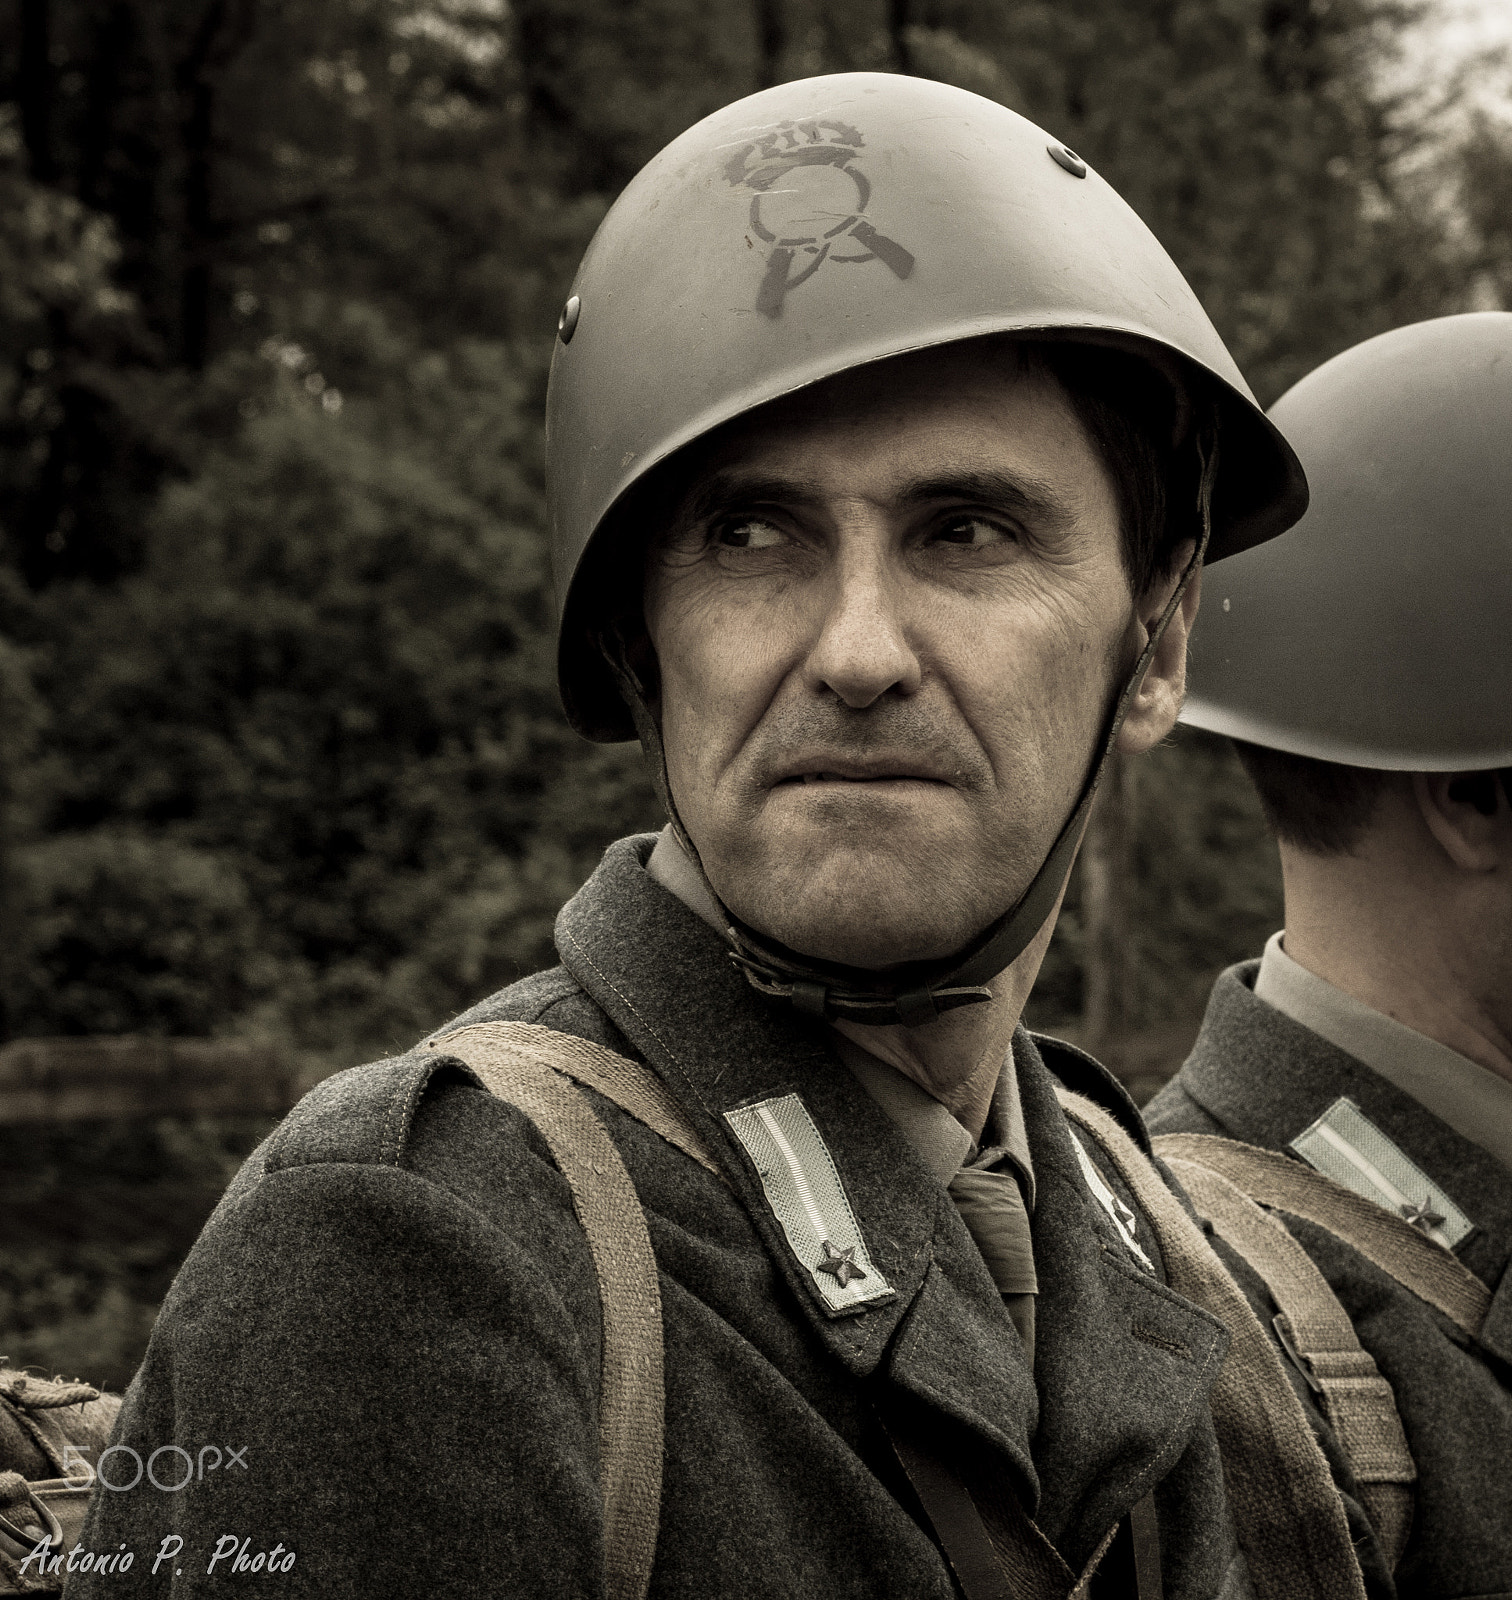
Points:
(1470, 816)
(1153, 710)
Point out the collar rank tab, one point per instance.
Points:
(1345, 1145)
(803, 1188)
(1123, 1219)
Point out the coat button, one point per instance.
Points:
(568, 321)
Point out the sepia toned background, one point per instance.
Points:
(281, 760)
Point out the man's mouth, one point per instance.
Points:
(858, 772)
(876, 777)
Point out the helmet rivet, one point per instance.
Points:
(568, 321)
(1062, 156)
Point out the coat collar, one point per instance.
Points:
(1112, 1407)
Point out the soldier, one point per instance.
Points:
(883, 446)
(1362, 664)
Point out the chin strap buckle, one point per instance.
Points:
(912, 1009)
(916, 1007)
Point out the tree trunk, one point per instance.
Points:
(34, 89)
(898, 21)
(771, 42)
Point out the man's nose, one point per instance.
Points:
(863, 650)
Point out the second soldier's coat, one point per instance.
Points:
(1258, 1076)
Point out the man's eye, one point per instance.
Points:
(747, 533)
(976, 532)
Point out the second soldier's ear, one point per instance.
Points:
(1470, 815)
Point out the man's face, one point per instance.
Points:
(889, 615)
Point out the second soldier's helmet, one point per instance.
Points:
(822, 225)
(1378, 632)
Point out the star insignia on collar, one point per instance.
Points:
(1422, 1216)
(841, 1264)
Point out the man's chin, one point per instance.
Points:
(851, 927)
(874, 898)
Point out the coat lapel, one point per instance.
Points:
(1124, 1365)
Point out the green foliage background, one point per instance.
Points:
(282, 755)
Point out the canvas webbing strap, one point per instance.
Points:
(1358, 1401)
(1390, 1243)
(1288, 1514)
(1145, 1532)
(633, 1088)
(521, 1068)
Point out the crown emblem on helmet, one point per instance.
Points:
(808, 205)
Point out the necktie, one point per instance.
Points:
(992, 1208)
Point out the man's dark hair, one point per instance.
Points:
(1320, 806)
(1129, 410)
(1325, 807)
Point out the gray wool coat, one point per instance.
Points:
(394, 1314)
(1258, 1076)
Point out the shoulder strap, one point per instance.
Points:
(1288, 1514)
(530, 1067)
(1389, 1242)
(633, 1088)
(1317, 1331)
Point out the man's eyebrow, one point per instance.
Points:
(1018, 492)
(731, 487)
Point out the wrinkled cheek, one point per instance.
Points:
(1043, 726)
(718, 678)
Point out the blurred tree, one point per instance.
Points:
(1485, 196)
(311, 775)
(336, 669)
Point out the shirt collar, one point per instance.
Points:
(942, 1144)
(1475, 1102)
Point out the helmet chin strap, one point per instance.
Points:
(917, 992)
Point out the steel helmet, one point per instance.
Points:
(828, 223)
(1378, 632)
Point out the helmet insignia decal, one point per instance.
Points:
(808, 204)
